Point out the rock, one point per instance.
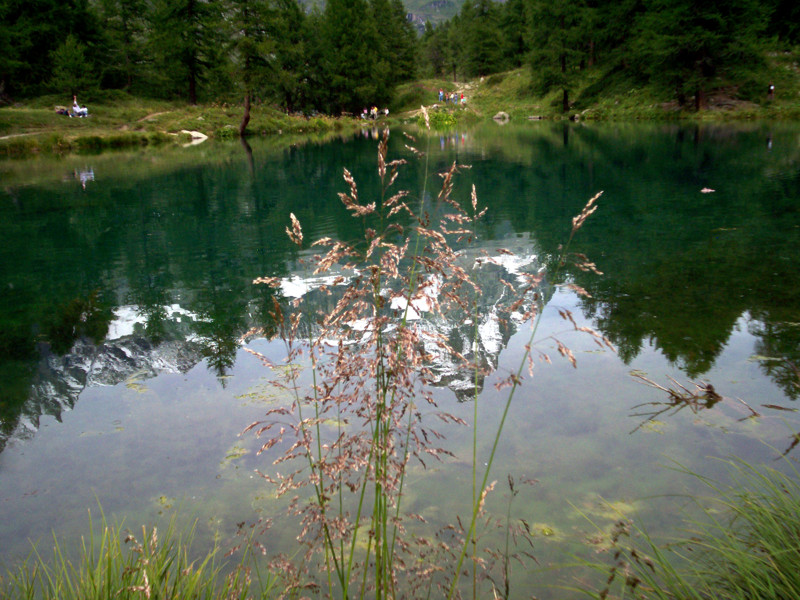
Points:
(501, 117)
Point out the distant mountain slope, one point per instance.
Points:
(421, 11)
(432, 10)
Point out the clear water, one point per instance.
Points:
(125, 283)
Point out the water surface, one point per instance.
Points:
(126, 284)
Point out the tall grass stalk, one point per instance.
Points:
(514, 380)
(370, 361)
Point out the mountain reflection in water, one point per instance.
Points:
(126, 303)
(680, 267)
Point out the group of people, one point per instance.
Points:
(451, 98)
(373, 112)
(77, 110)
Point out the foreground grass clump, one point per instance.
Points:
(744, 545)
(121, 564)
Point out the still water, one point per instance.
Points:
(126, 284)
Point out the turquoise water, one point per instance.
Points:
(126, 283)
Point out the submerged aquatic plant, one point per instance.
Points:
(361, 375)
(745, 544)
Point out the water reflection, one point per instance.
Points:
(682, 269)
(83, 175)
(697, 397)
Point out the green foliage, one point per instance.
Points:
(30, 32)
(557, 47)
(356, 52)
(744, 544)
(412, 96)
(184, 44)
(785, 21)
(226, 133)
(365, 49)
(288, 76)
(514, 26)
(124, 55)
(127, 565)
(439, 120)
(72, 73)
(683, 46)
(482, 39)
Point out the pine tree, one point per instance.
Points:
(684, 45)
(124, 28)
(482, 40)
(433, 48)
(615, 32)
(289, 74)
(32, 31)
(349, 56)
(72, 73)
(249, 46)
(184, 44)
(403, 43)
(785, 21)
(557, 42)
(514, 28)
(395, 47)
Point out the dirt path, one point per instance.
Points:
(153, 115)
(13, 135)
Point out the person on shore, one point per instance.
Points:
(78, 111)
(441, 94)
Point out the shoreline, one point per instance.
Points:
(33, 131)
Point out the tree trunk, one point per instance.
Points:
(249, 152)
(192, 55)
(565, 101)
(192, 88)
(699, 98)
(246, 115)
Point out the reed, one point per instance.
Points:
(122, 564)
(361, 380)
(744, 545)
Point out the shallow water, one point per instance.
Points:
(123, 296)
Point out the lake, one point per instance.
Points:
(126, 285)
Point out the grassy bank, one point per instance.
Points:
(745, 543)
(610, 95)
(118, 121)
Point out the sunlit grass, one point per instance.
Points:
(118, 120)
(117, 563)
(745, 544)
